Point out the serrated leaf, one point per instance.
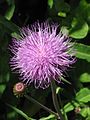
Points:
(85, 77)
(82, 51)
(79, 28)
(83, 95)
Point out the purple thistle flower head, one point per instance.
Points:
(41, 55)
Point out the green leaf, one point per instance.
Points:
(50, 117)
(11, 27)
(64, 30)
(85, 77)
(11, 115)
(20, 112)
(9, 13)
(83, 95)
(82, 51)
(50, 3)
(61, 6)
(15, 35)
(70, 106)
(58, 90)
(88, 118)
(85, 112)
(88, 14)
(79, 28)
(62, 14)
(83, 10)
(2, 88)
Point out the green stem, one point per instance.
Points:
(44, 107)
(20, 112)
(65, 116)
(55, 100)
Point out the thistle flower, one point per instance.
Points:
(41, 55)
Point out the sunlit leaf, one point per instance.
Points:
(85, 112)
(70, 106)
(83, 95)
(50, 3)
(62, 14)
(85, 77)
(79, 28)
(58, 89)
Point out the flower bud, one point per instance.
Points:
(19, 89)
(77, 110)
